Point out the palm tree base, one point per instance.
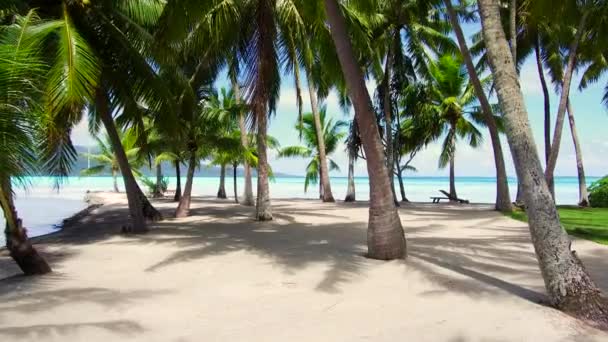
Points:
(150, 213)
(24, 254)
(328, 199)
(385, 236)
(350, 198)
(583, 299)
(221, 194)
(248, 202)
(263, 212)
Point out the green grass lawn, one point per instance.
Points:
(587, 223)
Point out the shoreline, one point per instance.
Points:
(93, 202)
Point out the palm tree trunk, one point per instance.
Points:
(563, 103)
(568, 284)
(263, 209)
(513, 28)
(388, 119)
(385, 237)
(136, 208)
(178, 180)
(401, 185)
(547, 99)
(221, 192)
(503, 197)
(583, 197)
(236, 194)
(158, 190)
(17, 242)
(183, 208)
(326, 195)
(115, 180)
(452, 163)
(248, 194)
(350, 190)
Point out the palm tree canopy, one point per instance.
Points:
(333, 133)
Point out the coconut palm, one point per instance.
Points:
(21, 124)
(503, 198)
(106, 158)
(333, 133)
(452, 99)
(99, 55)
(568, 284)
(386, 239)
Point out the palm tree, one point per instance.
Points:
(332, 134)
(386, 239)
(503, 198)
(568, 284)
(248, 199)
(106, 158)
(99, 56)
(21, 122)
(452, 96)
(353, 147)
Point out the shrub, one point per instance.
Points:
(598, 193)
(151, 184)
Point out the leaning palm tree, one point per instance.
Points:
(503, 197)
(386, 239)
(568, 284)
(106, 158)
(21, 124)
(333, 133)
(99, 55)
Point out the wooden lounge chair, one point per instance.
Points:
(454, 199)
(438, 199)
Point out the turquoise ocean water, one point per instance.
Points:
(42, 206)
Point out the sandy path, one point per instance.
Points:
(471, 275)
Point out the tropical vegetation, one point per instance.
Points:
(150, 68)
(332, 135)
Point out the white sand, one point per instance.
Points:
(471, 275)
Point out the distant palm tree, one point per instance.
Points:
(333, 133)
(107, 160)
(453, 101)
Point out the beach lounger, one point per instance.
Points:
(455, 199)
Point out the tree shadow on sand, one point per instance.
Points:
(495, 259)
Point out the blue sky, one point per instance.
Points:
(591, 121)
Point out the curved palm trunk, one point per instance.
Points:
(183, 208)
(136, 208)
(385, 237)
(350, 191)
(568, 284)
(17, 242)
(178, 180)
(263, 209)
(546, 97)
(248, 194)
(401, 185)
(503, 197)
(115, 180)
(563, 103)
(221, 192)
(326, 194)
(583, 197)
(158, 190)
(236, 193)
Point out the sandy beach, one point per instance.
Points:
(471, 275)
